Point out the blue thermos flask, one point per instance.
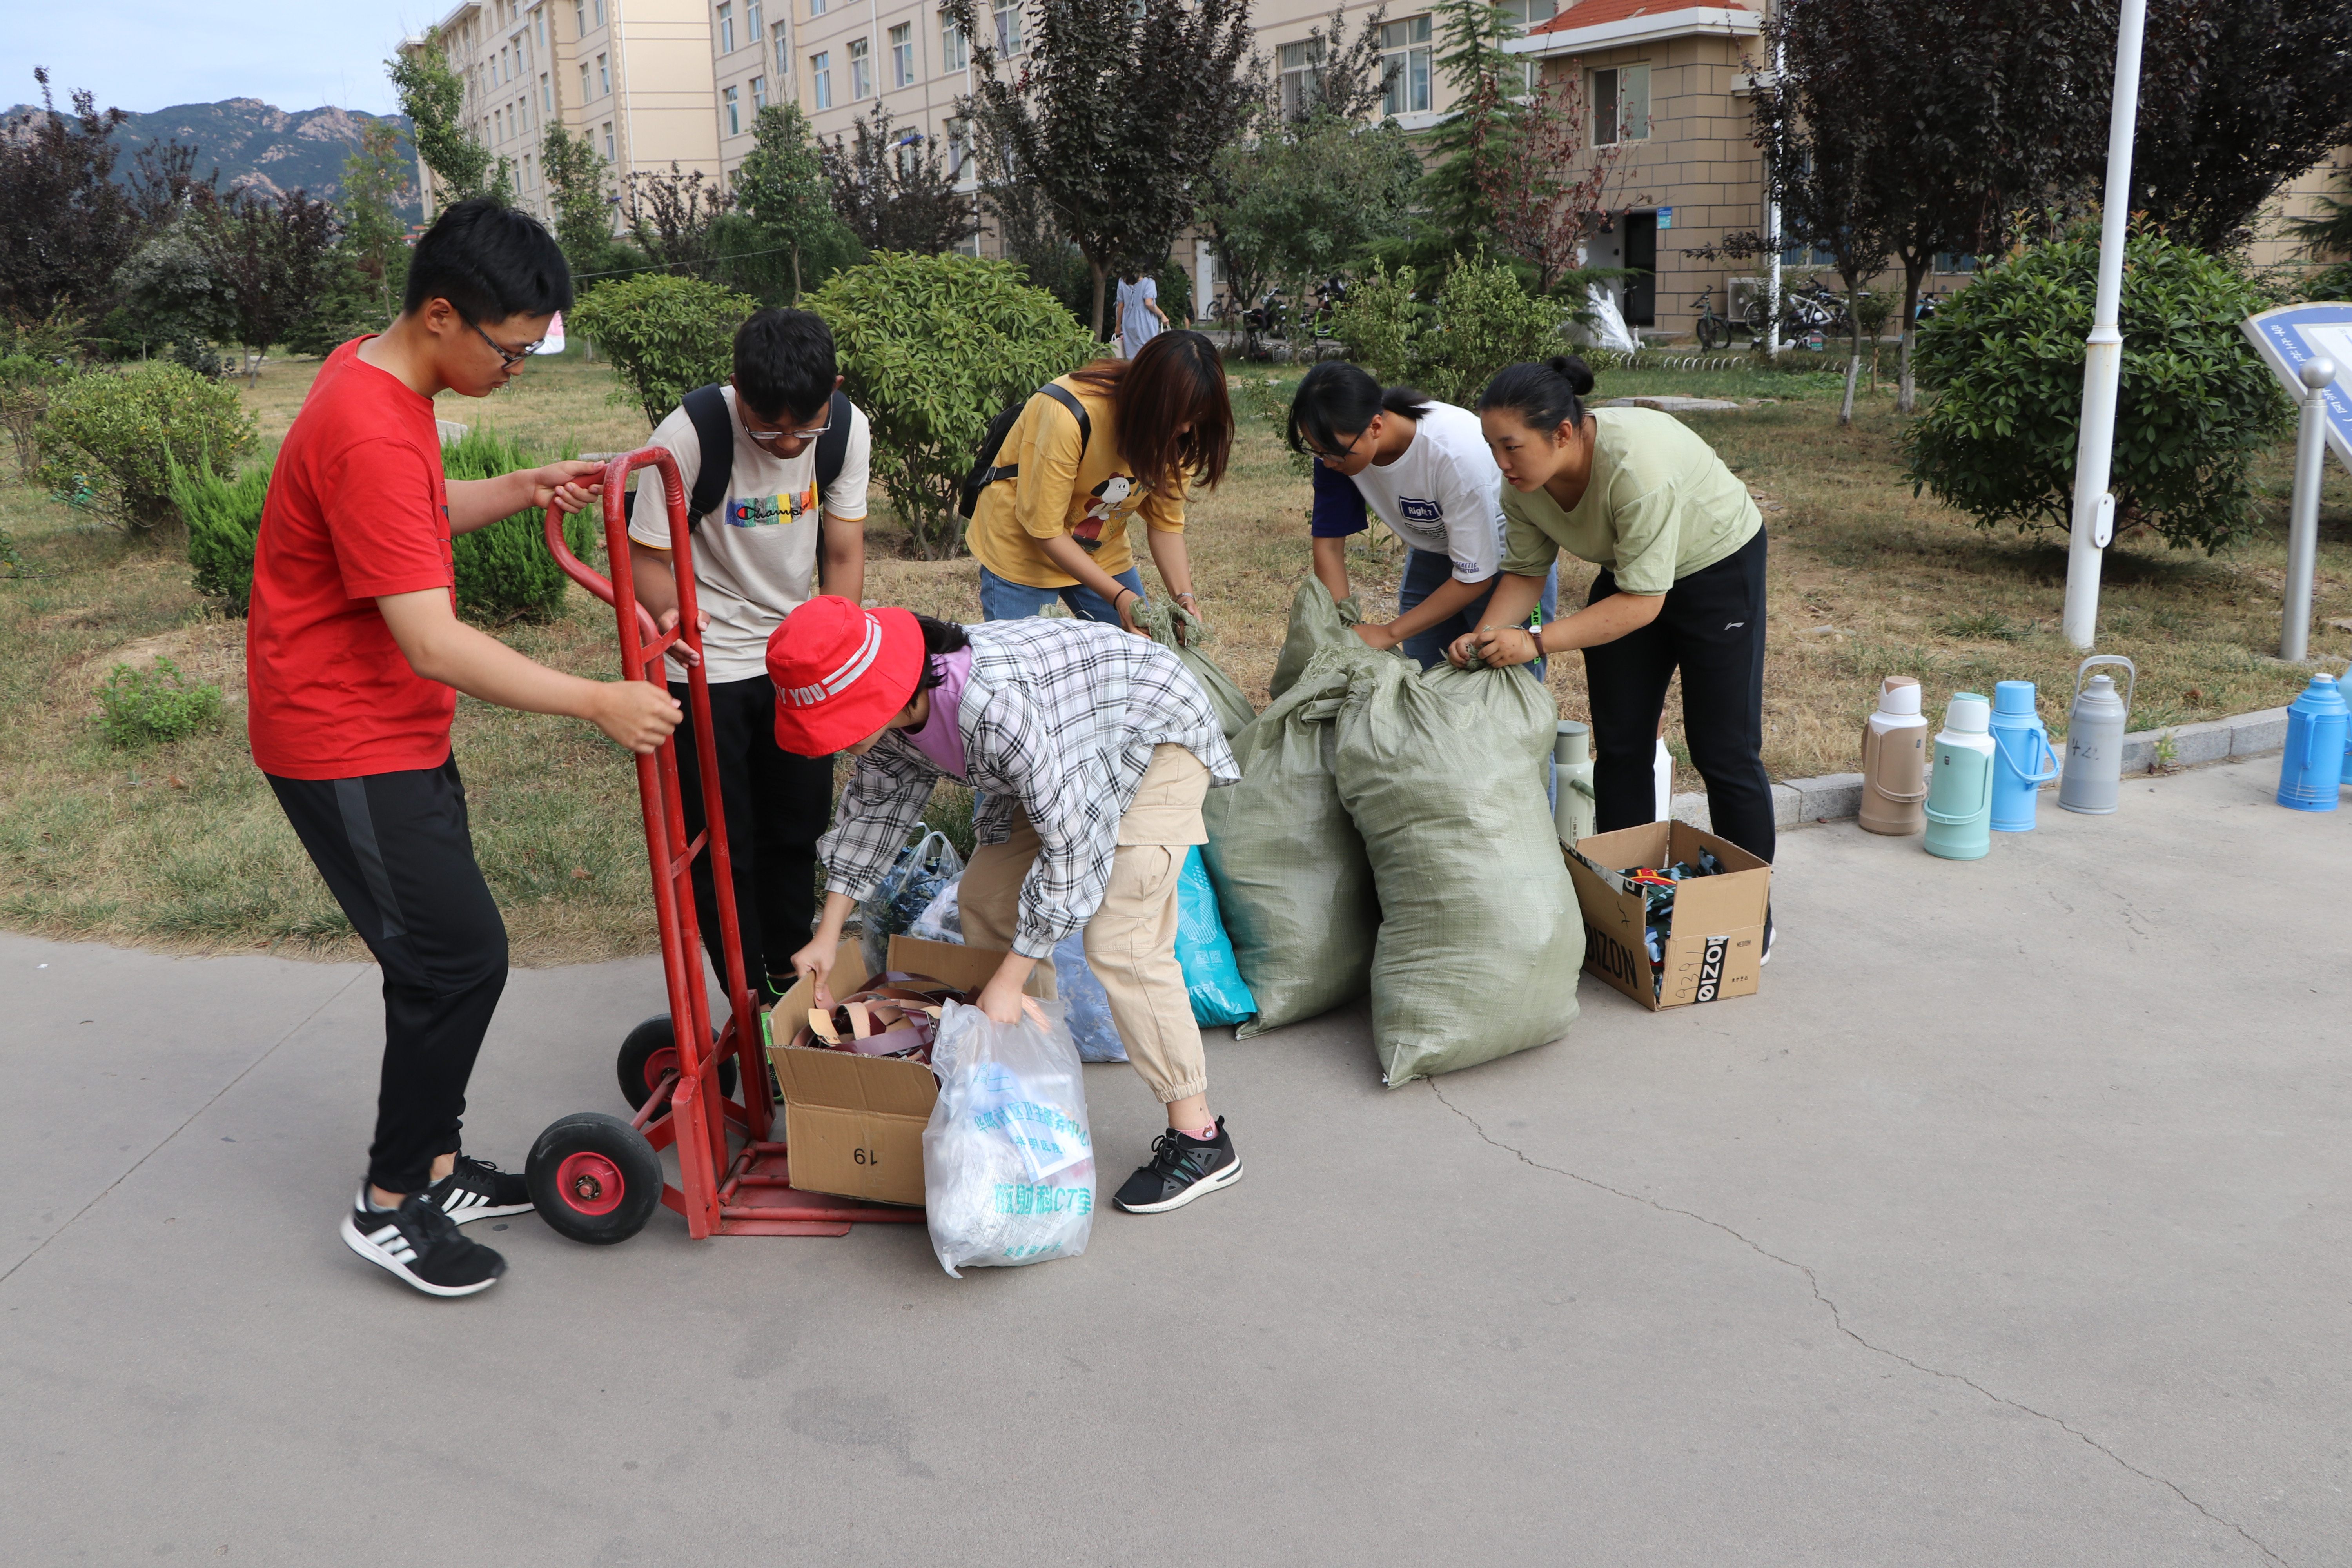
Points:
(2022, 761)
(2313, 767)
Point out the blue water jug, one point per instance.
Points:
(2316, 726)
(2022, 761)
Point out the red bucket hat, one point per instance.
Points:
(840, 673)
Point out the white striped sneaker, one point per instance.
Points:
(476, 1189)
(421, 1245)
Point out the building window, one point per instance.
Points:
(759, 94)
(596, 8)
(579, 16)
(734, 112)
(960, 163)
(727, 29)
(1621, 105)
(584, 94)
(1953, 261)
(1301, 65)
(861, 69)
(955, 51)
(538, 26)
(603, 77)
(816, 7)
(780, 46)
(1528, 13)
(1404, 66)
(902, 55)
(497, 125)
(821, 77)
(609, 156)
(529, 180)
(1009, 40)
(546, 94)
(751, 24)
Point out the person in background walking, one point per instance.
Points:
(1052, 521)
(1141, 319)
(1423, 466)
(1680, 546)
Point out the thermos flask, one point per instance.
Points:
(1894, 761)
(2022, 761)
(2313, 770)
(1572, 807)
(1959, 791)
(2095, 739)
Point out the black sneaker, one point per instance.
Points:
(476, 1189)
(1183, 1167)
(420, 1244)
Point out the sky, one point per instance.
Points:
(146, 55)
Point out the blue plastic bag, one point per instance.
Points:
(1205, 953)
(1086, 1005)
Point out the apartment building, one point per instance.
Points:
(631, 76)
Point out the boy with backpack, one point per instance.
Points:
(355, 658)
(774, 463)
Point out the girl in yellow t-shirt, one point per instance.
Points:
(1056, 526)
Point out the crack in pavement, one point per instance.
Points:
(1837, 1319)
(182, 1126)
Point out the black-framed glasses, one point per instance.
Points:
(769, 438)
(1333, 459)
(508, 358)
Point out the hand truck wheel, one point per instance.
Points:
(651, 1050)
(594, 1178)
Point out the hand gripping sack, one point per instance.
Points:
(1315, 624)
(1480, 937)
(1159, 621)
(1292, 879)
(1008, 1165)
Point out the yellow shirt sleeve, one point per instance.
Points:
(1165, 514)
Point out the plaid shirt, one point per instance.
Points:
(1059, 717)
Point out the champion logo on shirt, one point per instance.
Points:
(1415, 510)
(770, 511)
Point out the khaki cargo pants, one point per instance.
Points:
(1131, 941)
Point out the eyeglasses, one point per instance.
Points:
(769, 438)
(1333, 459)
(508, 358)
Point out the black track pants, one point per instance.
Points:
(1711, 627)
(777, 807)
(396, 853)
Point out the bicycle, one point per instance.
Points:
(1714, 331)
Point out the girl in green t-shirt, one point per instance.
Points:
(1680, 546)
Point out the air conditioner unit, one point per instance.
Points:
(1741, 291)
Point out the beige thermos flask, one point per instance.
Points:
(1894, 761)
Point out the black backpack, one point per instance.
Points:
(714, 428)
(986, 470)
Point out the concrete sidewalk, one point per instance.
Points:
(2009, 1225)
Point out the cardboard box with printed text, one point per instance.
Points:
(853, 1125)
(1715, 945)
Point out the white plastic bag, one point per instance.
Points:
(1008, 1164)
(942, 919)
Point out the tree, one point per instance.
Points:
(172, 295)
(892, 190)
(66, 223)
(1305, 196)
(673, 218)
(1548, 195)
(1026, 227)
(780, 187)
(665, 335)
(1344, 78)
(1454, 214)
(433, 96)
(1118, 112)
(273, 258)
(375, 179)
(583, 208)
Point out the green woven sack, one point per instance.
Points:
(1315, 624)
(1480, 935)
(1292, 881)
(1159, 621)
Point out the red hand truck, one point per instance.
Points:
(594, 1176)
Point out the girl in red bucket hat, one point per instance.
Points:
(1091, 751)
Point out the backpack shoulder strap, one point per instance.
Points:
(986, 470)
(1069, 400)
(714, 430)
(832, 447)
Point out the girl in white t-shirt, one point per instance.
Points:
(1423, 468)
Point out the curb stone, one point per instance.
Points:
(1837, 797)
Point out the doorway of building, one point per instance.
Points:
(1641, 261)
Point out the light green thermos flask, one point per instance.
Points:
(1959, 790)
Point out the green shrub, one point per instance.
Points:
(28, 382)
(118, 432)
(224, 517)
(1377, 322)
(932, 348)
(2196, 405)
(504, 572)
(665, 335)
(138, 706)
(1482, 320)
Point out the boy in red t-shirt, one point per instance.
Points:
(355, 658)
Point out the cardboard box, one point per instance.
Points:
(853, 1125)
(1714, 947)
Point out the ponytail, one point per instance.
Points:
(1545, 396)
(1336, 396)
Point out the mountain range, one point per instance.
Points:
(257, 144)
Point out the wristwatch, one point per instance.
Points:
(1535, 634)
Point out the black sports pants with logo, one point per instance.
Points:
(396, 852)
(776, 806)
(1711, 627)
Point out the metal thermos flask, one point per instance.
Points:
(2095, 739)
(2313, 770)
(2022, 762)
(1571, 756)
(1959, 791)
(1894, 761)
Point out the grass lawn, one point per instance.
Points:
(180, 846)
